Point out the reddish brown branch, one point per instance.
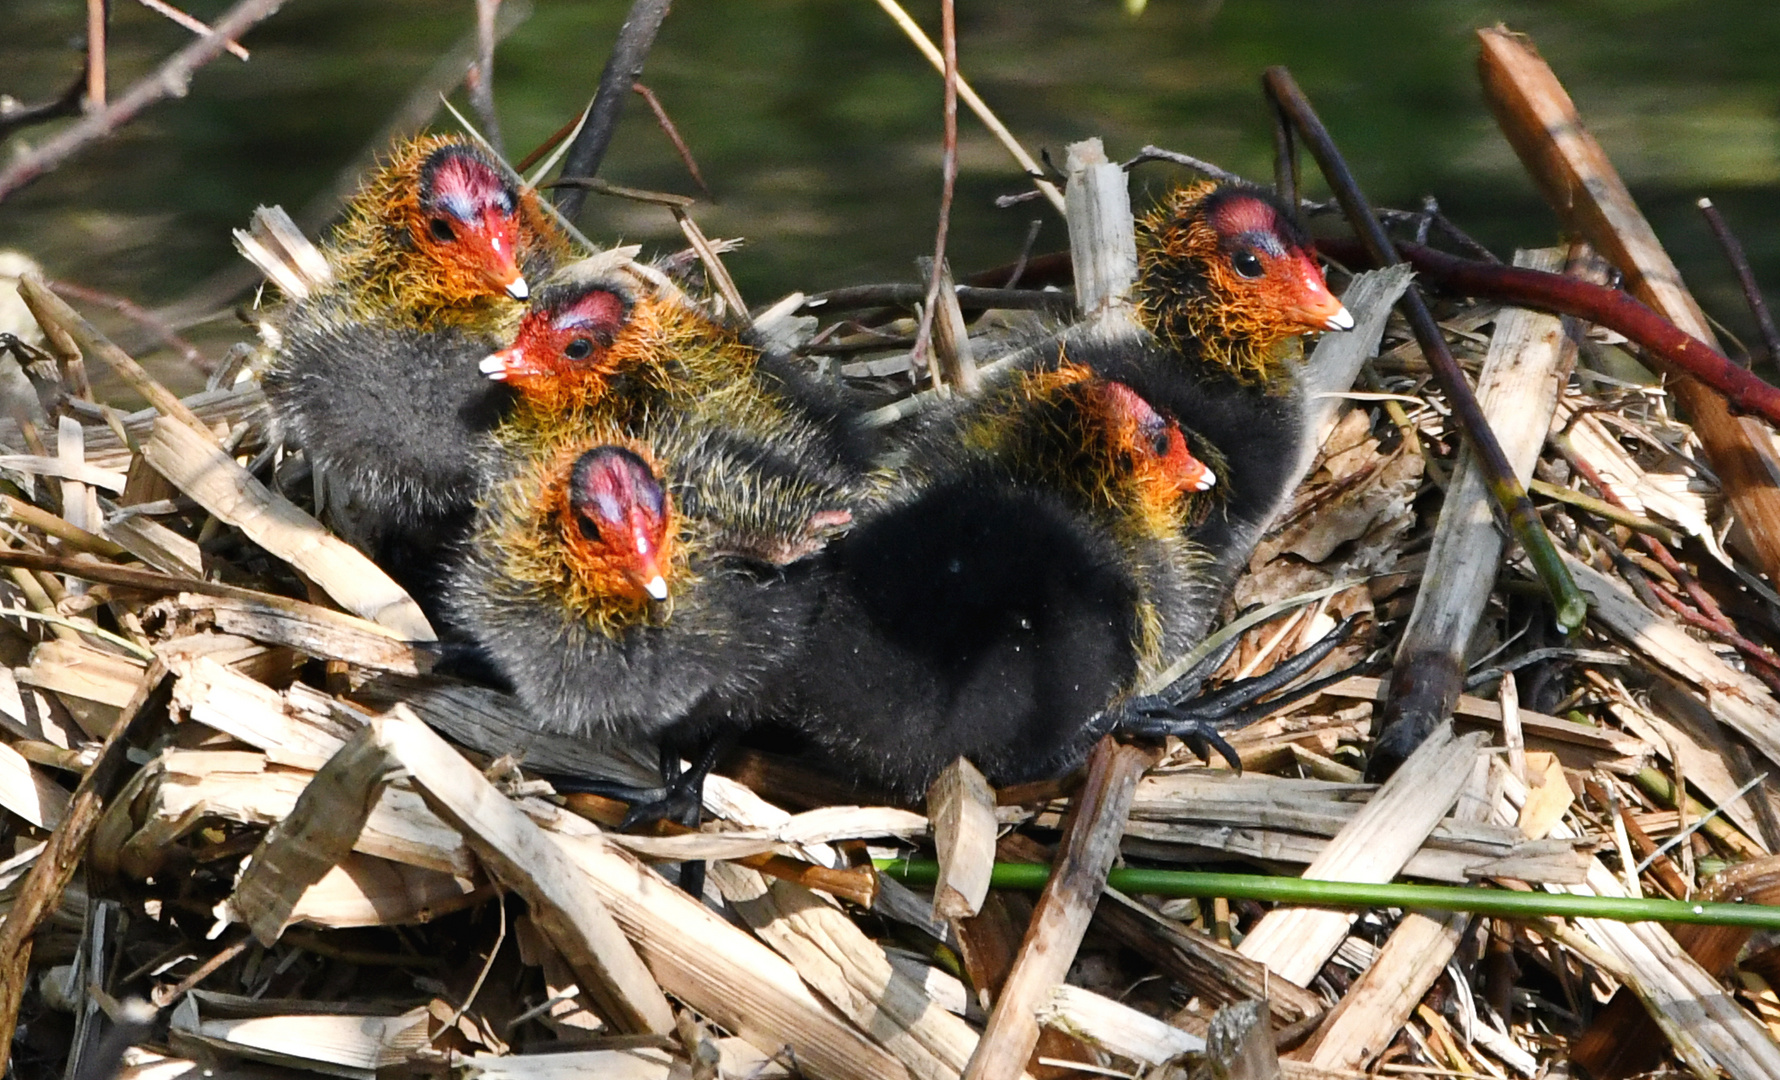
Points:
(949, 177)
(67, 290)
(673, 134)
(551, 143)
(1678, 351)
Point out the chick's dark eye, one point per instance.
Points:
(441, 230)
(589, 529)
(1159, 443)
(1247, 263)
(579, 349)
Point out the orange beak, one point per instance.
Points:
(501, 268)
(506, 364)
(1312, 306)
(1198, 476)
(645, 570)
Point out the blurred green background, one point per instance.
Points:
(818, 125)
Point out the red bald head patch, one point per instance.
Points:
(621, 515)
(1244, 213)
(1156, 444)
(469, 219)
(568, 334)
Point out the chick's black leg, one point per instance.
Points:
(1200, 721)
(681, 797)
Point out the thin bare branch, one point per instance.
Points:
(479, 80)
(1733, 254)
(977, 105)
(171, 79)
(949, 181)
(96, 54)
(136, 314)
(622, 71)
(673, 134)
(196, 26)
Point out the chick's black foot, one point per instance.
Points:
(1201, 721)
(680, 798)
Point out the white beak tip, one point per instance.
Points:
(493, 367)
(1341, 320)
(657, 588)
(518, 289)
(1208, 481)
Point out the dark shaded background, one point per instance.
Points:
(818, 125)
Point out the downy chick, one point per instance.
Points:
(1227, 282)
(1030, 569)
(375, 372)
(647, 586)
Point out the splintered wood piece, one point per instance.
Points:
(715, 968)
(952, 349)
(200, 468)
(73, 667)
(1064, 909)
(1239, 1045)
(527, 861)
(154, 543)
(80, 508)
(41, 891)
(364, 891)
(1116, 1027)
(1202, 964)
(642, 1063)
(1741, 701)
(298, 851)
(298, 727)
(323, 634)
(1542, 123)
(1364, 1022)
(1528, 359)
(962, 807)
(1102, 239)
(28, 793)
(353, 1046)
(38, 465)
(181, 790)
(276, 245)
(852, 972)
(51, 309)
(1295, 942)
